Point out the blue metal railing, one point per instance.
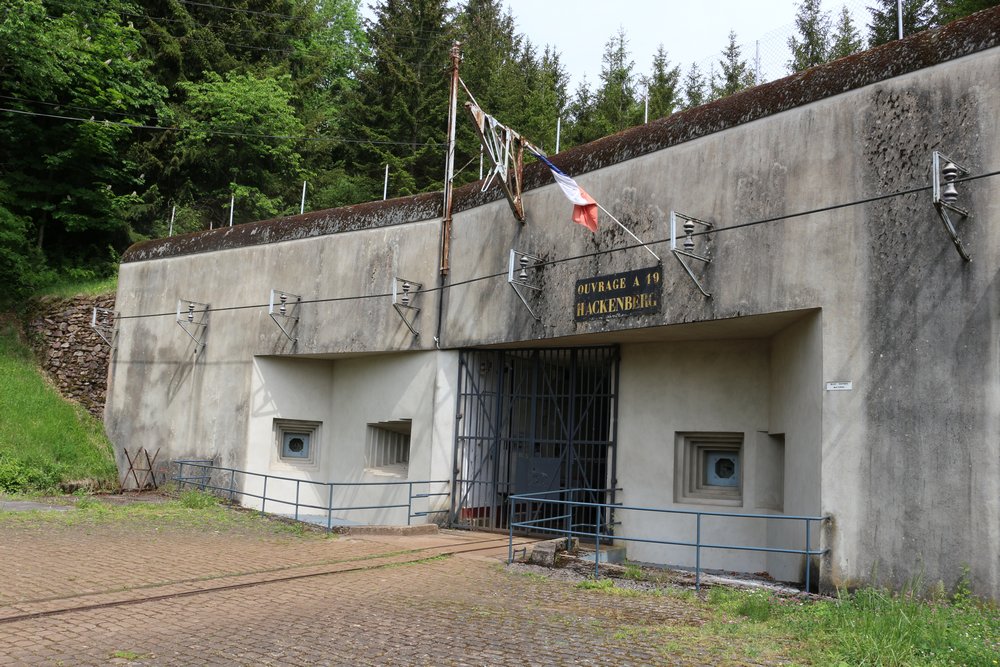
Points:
(202, 473)
(570, 529)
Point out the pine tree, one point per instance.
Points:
(917, 15)
(403, 96)
(949, 10)
(616, 107)
(662, 86)
(694, 88)
(736, 72)
(846, 39)
(581, 111)
(812, 45)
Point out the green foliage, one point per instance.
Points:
(812, 45)
(949, 10)
(197, 499)
(846, 39)
(736, 73)
(694, 88)
(918, 15)
(65, 181)
(615, 106)
(402, 96)
(633, 572)
(596, 584)
(663, 86)
(875, 627)
(44, 439)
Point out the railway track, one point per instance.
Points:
(358, 564)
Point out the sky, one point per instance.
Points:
(691, 32)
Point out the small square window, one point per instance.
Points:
(296, 441)
(708, 468)
(387, 451)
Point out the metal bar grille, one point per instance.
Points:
(530, 421)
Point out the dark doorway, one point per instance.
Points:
(532, 421)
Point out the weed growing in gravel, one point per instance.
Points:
(197, 500)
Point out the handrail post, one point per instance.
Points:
(597, 545)
(232, 484)
(297, 484)
(808, 557)
(409, 504)
(180, 475)
(263, 496)
(697, 553)
(510, 530)
(329, 509)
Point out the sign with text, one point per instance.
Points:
(619, 294)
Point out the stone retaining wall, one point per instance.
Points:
(70, 352)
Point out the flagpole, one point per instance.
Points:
(630, 233)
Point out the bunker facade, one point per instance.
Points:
(846, 363)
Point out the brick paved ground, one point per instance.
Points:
(181, 596)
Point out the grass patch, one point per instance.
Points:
(192, 499)
(178, 512)
(608, 586)
(870, 627)
(44, 439)
(69, 288)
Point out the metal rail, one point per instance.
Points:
(595, 533)
(202, 473)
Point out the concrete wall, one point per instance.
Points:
(345, 396)
(907, 462)
(768, 390)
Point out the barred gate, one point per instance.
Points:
(530, 421)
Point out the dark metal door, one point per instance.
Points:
(531, 421)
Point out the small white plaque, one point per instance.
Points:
(841, 385)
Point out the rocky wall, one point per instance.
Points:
(71, 353)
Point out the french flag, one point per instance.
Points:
(584, 206)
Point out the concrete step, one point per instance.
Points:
(607, 554)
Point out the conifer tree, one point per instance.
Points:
(403, 96)
(917, 15)
(582, 127)
(846, 39)
(736, 72)
(694, 87)
(811, 46)
(949, 10)
(663, 86)
(616, 107)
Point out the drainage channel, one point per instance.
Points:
(414, 556)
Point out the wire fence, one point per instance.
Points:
(770, 55)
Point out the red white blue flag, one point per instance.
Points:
(584, 206)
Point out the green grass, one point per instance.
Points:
(44, 439)
(68, 288)
(870, 627)
(188, 510)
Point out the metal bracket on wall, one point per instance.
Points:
(105, 323)
(519, 280)
(283, 307)
(689, 246)
(945, 198)
(192, 317)
(404, 297)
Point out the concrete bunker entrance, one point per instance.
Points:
(530, 421)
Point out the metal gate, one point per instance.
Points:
(531, 421)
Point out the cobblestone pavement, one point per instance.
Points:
(94, 595)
